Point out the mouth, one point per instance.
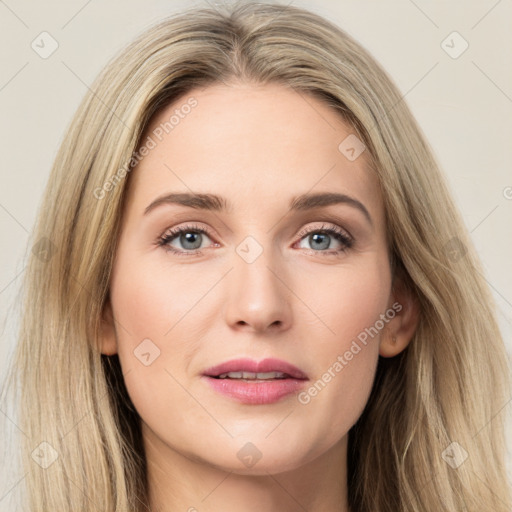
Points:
(249, 369)
(253, 376)
(251, 382)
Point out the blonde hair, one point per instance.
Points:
(446, 387)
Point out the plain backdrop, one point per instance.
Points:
(451, 60)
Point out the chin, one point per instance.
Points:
(259, 459)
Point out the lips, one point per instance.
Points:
(249, 366)
(255, 382)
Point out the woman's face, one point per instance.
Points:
(258, 272)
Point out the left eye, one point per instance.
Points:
(320, 238)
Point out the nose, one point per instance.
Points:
(258, 295)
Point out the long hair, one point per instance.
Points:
(428, 439)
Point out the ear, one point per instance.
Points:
(401, 328)
(108, 341)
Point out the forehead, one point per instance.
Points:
(251, 143)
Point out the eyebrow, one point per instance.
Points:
(220, 204)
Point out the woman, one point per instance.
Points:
(257, 368)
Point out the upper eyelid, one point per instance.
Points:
(186, 227)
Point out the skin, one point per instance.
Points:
(257, 146)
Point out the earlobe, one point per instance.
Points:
(400, 330)
(392, 345)
(107, 335)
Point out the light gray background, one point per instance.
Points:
(464, 106)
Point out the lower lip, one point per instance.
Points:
(255, 392)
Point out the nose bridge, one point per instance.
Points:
(257, 295)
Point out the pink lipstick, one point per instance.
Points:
(253, 382)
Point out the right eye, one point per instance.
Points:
(189, 236)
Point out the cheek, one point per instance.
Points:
(162, 314)
(346, 300)
(346, 354)
(159, 302)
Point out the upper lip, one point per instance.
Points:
(250, 365)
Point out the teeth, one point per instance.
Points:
(252, 375)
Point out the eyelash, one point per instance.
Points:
(340, 235)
